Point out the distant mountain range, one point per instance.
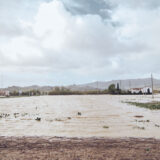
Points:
(124, 84)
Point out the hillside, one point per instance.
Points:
(124, 84)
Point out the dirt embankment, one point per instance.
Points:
(38, 148)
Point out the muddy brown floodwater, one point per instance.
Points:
(101, 124)
(78, 116)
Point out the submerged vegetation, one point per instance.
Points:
(148, 105)
(105, 127)
(138, 127)
(38, 119)
(79, 113)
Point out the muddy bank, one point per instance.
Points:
(26, 148)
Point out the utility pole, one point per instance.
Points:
(129, 84)
(97, 87)
(152, 86)
(120, 85)
(145, 92)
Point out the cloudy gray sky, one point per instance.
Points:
(61, 42)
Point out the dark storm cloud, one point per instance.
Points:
(103, 7)
(148, 4)
(82, 7)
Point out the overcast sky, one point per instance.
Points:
(61, 42)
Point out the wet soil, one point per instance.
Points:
(40, 148)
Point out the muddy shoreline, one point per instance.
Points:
(58, 148)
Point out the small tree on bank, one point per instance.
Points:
(112, 89)
(118, 88)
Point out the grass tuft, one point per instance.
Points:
(38, 119)
(79, 113)
(149, 105)
(106, 127)
(137, 127)
(156, 125)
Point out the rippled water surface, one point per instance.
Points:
(102, 115)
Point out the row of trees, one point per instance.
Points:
(26, 93)
(112, 89)
(66, 91)
(61, 91)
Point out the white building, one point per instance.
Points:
(7, 93)
(135, 90)
(144, 90)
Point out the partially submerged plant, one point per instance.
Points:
(148, 105)
(58, 119)
(24, 114)
(106, 127)
(38, 119)
(147, 149)
(144, 121)
(16, 115)
(138, 116)
(137, 127)
(4, 115)
(79, 113)
(156, 125)
(49, 120)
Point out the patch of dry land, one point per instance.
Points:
(25, 122)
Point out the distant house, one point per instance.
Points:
(144, 90)
(147, 90)
(7, 93)
(1, 93)
(135, 90)
(4, 93)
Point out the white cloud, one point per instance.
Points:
(61, 39)
(55, 40)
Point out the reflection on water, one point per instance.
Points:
(78, 116)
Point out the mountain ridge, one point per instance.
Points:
(101, 85)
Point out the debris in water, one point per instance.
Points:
(156, 125)
(79, 113)
(138, 116)
(38, 119)
(106, 127)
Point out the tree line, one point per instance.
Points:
(112, 89)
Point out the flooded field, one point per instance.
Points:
(78, 116)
